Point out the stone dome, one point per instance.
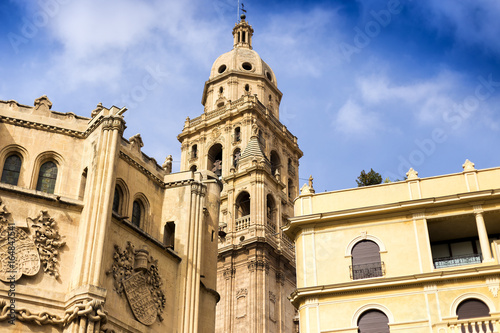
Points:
(242, 60)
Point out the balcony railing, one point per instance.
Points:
(457, 261)
(270, 226)
(474, 325)
(243, 223)
(365, 271)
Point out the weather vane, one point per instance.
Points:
(242, 9)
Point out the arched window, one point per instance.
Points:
(194, 151)
(236, 156)
(373, 321)
(137, 213)
(11, 170)
(366, 260)
(243, 204)
(117, 199)
(291, 194)
(275, 162)
(237, 134)
(262, 141)
(83, 183)
(472, 308)
(47, 177)
(271, 212)
(193, 168)
(215, 159)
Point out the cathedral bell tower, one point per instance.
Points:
(240, 138)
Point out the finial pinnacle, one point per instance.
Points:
(243, 10)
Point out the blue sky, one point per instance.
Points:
(366, 84)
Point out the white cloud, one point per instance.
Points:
(353, 119)
(470, 21)
(303, 44)
(102, 42)
(428, 99)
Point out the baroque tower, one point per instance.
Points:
(240, 138)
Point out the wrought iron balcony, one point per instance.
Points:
(457, 261)
(365, 271)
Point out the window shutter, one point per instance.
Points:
(373, 321)
(472, 308)
(365, 252)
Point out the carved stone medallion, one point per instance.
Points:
(24, 254)
(136, 273)
(18, 255)
(139, 297)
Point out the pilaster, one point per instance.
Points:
(96, 215)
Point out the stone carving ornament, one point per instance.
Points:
(136, 273)
(92, 310)
(48, 241)
(21, 254)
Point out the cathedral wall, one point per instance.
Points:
(37, 147)
(141, 187)
(118, 306)
(42, 291)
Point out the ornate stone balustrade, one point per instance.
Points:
(270, 226)
(243, 223)
(473, 325)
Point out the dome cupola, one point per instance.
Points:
(241, 71)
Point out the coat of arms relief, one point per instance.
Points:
(24, 249)
(135, 273)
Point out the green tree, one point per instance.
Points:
(370, 178)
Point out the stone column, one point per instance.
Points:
(483, 234)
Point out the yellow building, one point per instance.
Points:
(95, 236)
(420, 255)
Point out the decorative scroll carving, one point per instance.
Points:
(48, 241)
(136, 273)
(92, 310)
(229, 273)
(258, 264)
(21, 254)
(280, 278)
(241, 292)
(493, 285)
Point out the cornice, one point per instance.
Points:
(42, 127)
(117, 122)
(237, 107)
(401, 206)
(399, 282)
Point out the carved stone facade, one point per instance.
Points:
(95, 236)
(240, 138)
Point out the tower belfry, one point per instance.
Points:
(242, 34)
(240, 138)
